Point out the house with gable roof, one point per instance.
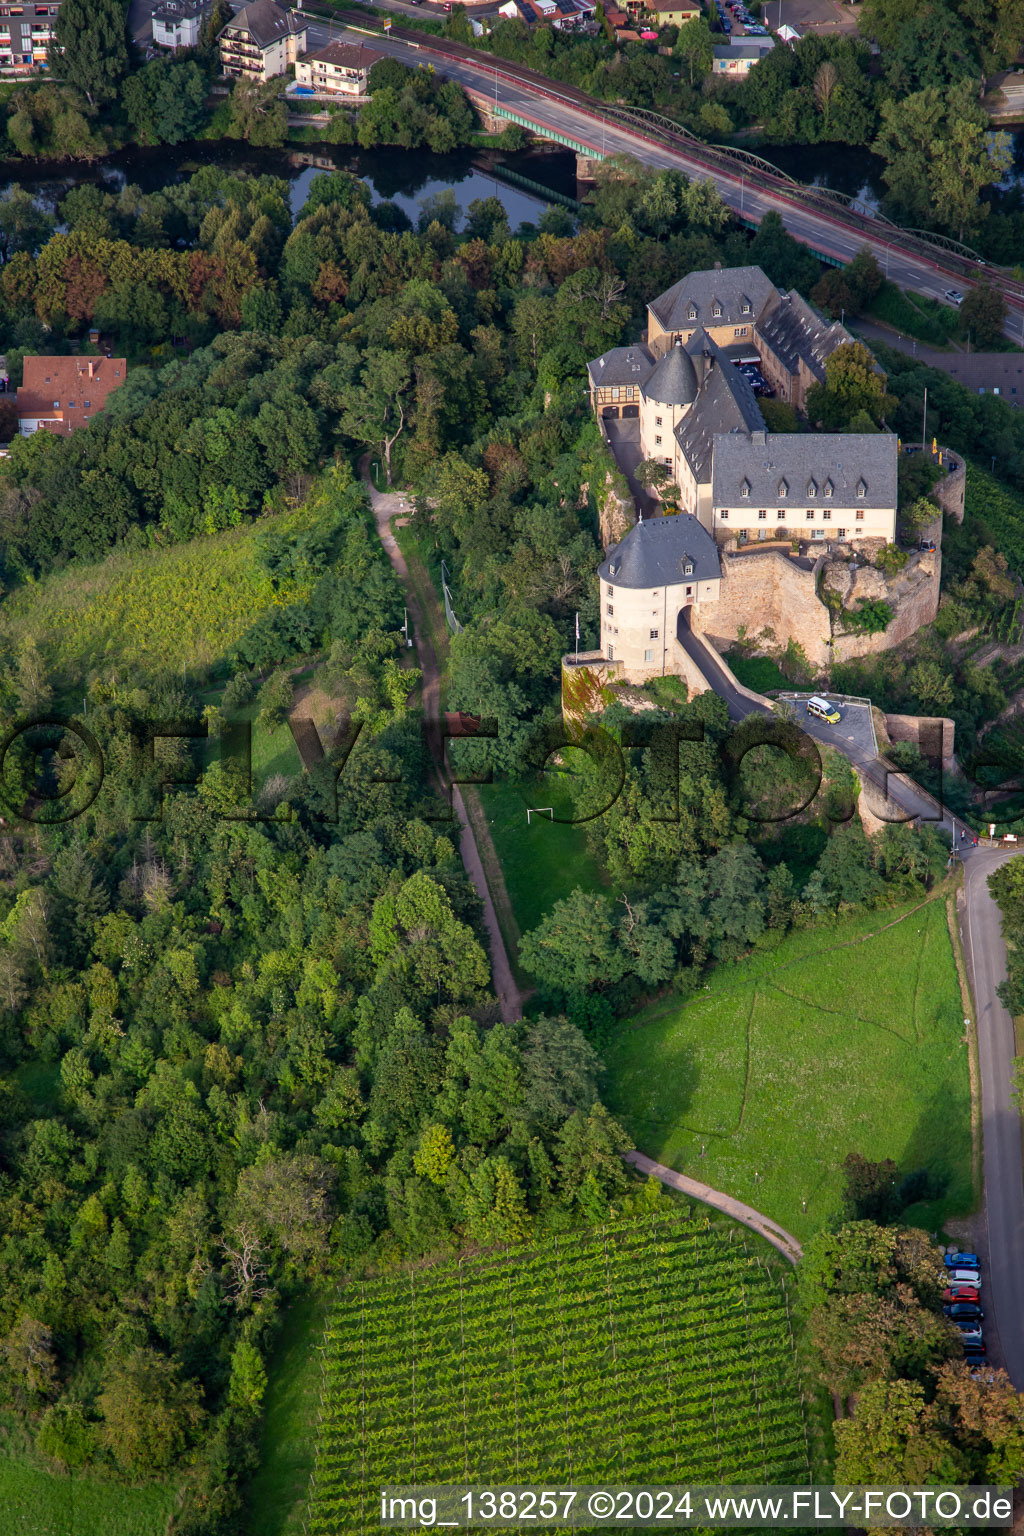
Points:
(261, 41)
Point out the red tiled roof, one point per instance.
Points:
(63, 393)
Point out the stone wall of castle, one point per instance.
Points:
(950, 491)
(913, 593)
(934, 735)
(766, 589)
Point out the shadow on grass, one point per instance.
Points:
(276, 1497)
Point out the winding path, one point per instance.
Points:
(763, 1225)
(386, 505)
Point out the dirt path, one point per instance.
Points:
(386, 505)
(770, 1230)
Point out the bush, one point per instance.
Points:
(870, 617)
(275, 700)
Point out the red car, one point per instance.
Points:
(961, 1293)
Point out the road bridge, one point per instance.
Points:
(921, 263)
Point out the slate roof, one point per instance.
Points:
(860, 466)
(265, 21)
(622, 365)
(729, 287)
(745, 49)
(172, 11)
(793, 330)
(655, 551)
(725, 404)
(674, 379)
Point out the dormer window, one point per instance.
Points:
(783, 489)
(688, 568)
(745, 488)
(716, 310)
(812, 488)
(745, 307)
(828, 487)
(691, 313)
(862, 489)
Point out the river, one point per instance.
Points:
(390, 174)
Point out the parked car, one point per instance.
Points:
(970, 1332)
(954, 296)
(961, 1293)
(964, 1311)
(962, 1261)
(974, 1354)
(823, 709)
(928, 545)
(963, 1277)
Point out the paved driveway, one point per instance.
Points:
(853, 733)
(1000, 1118)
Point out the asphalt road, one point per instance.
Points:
(1001, 1121)
(589, 129)
(986, 959)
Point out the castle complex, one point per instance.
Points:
(686, 399)
(696, 412)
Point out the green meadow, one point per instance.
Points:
(847, 1038)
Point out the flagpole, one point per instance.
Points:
(577, 637)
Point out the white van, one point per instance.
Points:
(823, 710)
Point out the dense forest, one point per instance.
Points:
(242, 1053)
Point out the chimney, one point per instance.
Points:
(718, 266)
(92, 366)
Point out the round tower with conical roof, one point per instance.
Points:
(665, 399)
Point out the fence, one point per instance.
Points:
(449, 612)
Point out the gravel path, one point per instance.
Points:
(386, 505)
(763, 1225)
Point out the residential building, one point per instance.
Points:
(340, 69)
(683, 398)
(26, 32)
(673, 13)
(737, 60)
(178, 23)
(60, 394)
(261, 41)
(663, 566)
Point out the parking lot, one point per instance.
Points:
(854, 731)
(810, 15)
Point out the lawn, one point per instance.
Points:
(653, 1349)
(276, 1497)
(39, 1503)
(847, 1038)
(757, 672)
(542, 861)
(184, 606)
